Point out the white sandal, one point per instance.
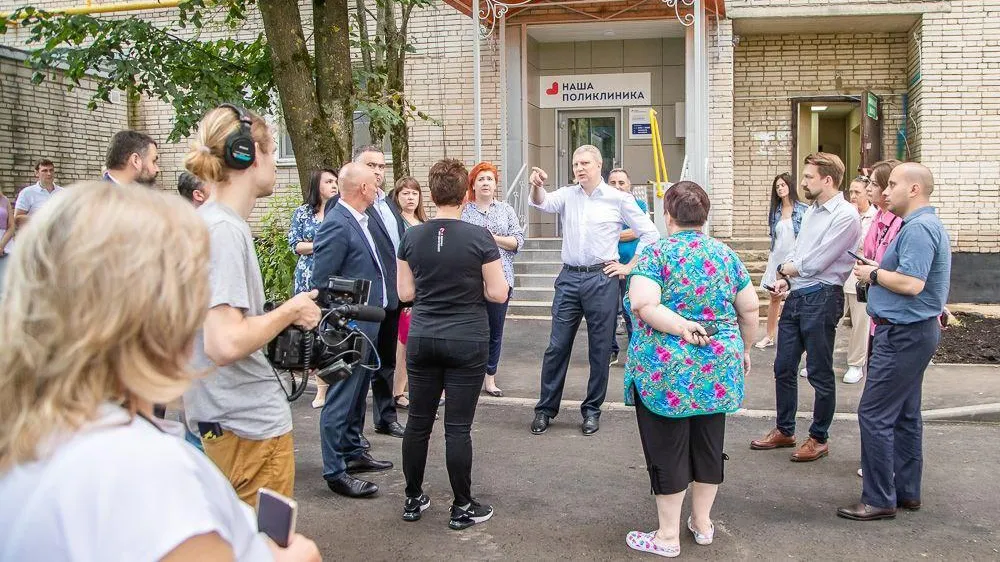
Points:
(702, 539)
(643, 542)
(764, 343)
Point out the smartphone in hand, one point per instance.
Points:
(861, 259)
(768, 288)
(711, 330)
(276, 516)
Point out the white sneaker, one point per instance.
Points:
(861, 473)
(853, 375)
(803, 373)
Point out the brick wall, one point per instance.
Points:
(47, 121)
(720, 123)
(770, 70)
(959, 99)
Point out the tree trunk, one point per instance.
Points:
(293, 77)
(399, 133)
(334, 78)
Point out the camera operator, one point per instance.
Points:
(240, 409)
(345, 247)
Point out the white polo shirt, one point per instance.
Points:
(34, 197)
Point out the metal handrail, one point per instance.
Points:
(513, 182)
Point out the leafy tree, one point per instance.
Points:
(315, 88)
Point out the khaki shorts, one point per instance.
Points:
(250, 465)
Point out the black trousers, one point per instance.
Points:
(434, 365)
(680, 450)
(383, 406)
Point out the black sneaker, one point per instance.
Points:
(614, 359)
(413, 507)
(465, 518)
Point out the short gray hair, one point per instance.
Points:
(592, 150)
(366, 148)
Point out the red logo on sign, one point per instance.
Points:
(553, 90)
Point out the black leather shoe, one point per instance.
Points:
(540, 424)
(590, 425)
(395, 429)
(865, 512)
(347, 485)
(365, 463)
(909, 505)
(365, 444)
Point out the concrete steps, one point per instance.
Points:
(538, 264)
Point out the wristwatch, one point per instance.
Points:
(873, 276)
(780, 272)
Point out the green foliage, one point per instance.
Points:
(134, 55)
(277, 261)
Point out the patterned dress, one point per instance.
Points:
(699, 278)
(303, 229)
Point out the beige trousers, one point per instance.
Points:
(857, 349)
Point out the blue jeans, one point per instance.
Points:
(889, 412)
(808, 323)
(593, 296)
(498, 315)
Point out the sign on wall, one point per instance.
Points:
(595, 90)
(639, 124)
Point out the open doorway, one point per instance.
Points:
(840, 125)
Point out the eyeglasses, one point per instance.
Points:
(865, 179)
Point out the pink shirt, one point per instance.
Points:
(884, 228)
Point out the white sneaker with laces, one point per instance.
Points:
(803, 373)
(853, 375)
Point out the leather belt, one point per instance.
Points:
(585, 268)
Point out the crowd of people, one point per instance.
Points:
(82, 381)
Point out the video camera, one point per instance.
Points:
(336, 345)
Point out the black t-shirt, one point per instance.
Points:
(447, 257)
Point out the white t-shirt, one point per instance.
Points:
(120, 490)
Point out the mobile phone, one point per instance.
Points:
(711, 330)
(276, 516)
(768, 287)
(860, 258)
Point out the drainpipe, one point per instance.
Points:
(89, 8)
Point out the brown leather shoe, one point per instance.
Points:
(810, 451)
(774, 439)
(865, 512)
(909, 505)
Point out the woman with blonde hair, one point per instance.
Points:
(97, 329)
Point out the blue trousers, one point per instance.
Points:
(341, 422)
(889, 412)
(498, 315)
(593, 296)
(626, 315)
(808, 323)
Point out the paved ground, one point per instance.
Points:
(564, 496)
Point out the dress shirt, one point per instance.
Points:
(591, 224)
(363, 221)
(501, 220)
(820, 252)
(388, 218)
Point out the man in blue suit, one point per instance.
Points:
(344, 247)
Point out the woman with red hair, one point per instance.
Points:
(484, 209)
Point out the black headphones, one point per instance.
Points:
(240, 151)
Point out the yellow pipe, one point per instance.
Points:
(88, 8)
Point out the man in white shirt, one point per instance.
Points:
(813, 281)
(592, 215)
(33, 197)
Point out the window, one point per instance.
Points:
(361, 137)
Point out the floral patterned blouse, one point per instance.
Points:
(698, 278)
(501, 220)
(303, 229)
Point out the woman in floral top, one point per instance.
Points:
(305, 221)
(681, 380)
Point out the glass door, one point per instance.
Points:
(599, 128)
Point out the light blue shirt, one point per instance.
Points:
(922, 249)
(363, 221)
(820, 254)
(388, 218)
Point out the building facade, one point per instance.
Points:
(742, 89)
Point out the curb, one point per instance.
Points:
(981, 413)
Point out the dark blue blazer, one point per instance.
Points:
(341, 249)
(386, 251)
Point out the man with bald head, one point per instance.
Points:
(344, 248)
(907, 293)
